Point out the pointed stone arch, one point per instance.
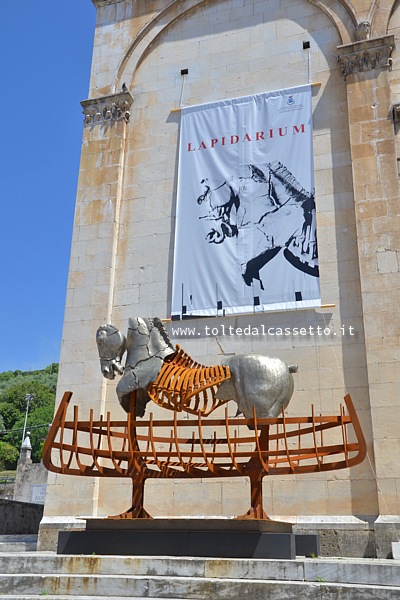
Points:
(340, 12)
(381, 11)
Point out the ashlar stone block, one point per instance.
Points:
(387, 262)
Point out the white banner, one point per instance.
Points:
(245, 226)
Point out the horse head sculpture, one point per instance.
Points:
(147, 345)
(156, 370)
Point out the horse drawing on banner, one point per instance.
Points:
(268, 207)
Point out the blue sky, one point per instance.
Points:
(46, 49)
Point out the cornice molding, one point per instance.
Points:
(99, 3)
(114, 107)
(366, 55)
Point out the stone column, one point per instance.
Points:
(90, 294)
(365, 65)
(102, 166)
(92, 269)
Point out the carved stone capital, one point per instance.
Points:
(99, 3)
(366, 55)
(107, 108)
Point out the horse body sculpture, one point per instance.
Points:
(252, 381)
(261, 382)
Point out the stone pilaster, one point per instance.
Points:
(376, 196)
(91, 282)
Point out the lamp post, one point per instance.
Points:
(28, 398)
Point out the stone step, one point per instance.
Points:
(18, 543)
(193, 588)
(349, 571)
(17, 547)
(26, 537)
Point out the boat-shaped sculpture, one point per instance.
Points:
(200, 446)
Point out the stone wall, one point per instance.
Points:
(122, 250)
(30, 483)
(17, 518)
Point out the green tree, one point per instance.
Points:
(8, 456)
(48, 376)
(16, 395)
(14, 403)
(9, 413)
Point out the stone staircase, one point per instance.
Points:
(36, 575)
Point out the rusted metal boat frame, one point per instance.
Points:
(136, 449)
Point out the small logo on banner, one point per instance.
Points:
(291, 104)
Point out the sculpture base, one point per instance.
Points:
(224, 538)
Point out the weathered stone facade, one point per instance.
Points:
(122, 250)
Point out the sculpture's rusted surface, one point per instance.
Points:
(202, 447)
(184, 384)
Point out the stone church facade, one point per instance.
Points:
(123, 238)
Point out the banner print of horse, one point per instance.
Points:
(268, 212)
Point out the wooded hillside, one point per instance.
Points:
(15, 387)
